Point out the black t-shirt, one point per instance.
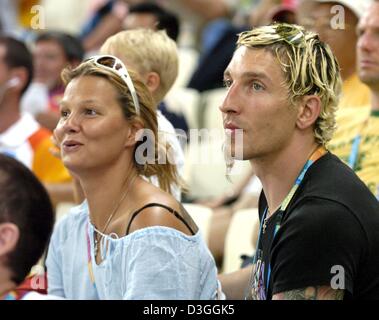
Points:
(329, 235)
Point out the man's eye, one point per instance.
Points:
(227, 83)
(257, 86)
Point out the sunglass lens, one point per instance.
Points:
(106, 61)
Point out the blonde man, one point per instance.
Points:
(154, 56)
(317, 218)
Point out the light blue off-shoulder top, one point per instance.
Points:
(151, 263)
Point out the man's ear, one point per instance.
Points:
(153, 81)
(134, 133)
(309, 111)
(9, 235)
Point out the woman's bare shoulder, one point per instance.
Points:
(158, 208)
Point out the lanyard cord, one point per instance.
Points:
(353, 157)
(255, 255)
(354, 151)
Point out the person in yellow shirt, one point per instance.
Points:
(320, 16)
(357, 144)
(357, 139)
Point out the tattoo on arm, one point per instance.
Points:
(311, 293)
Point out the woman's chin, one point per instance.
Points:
(73, 166)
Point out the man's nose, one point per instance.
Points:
(230, 102)
(364, 42)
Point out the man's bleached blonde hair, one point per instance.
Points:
(309, 66)
(147, 51)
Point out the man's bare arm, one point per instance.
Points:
(311, 293)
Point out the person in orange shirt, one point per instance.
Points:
(21, 137)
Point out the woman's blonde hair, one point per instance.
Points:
(165, 171)
(309, 66)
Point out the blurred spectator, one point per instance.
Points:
(318, 15)
(52, 52)
(357, 138)
(26, 223)
(195, 14)
(113, 16)
(21, 136)
(104, 22)
(150, 15)
(218, 46)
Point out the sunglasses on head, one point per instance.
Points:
(291, 34)
(115, 65)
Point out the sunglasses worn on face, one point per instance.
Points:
(115, 65)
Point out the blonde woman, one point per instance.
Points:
(153, 55)
(129, 239)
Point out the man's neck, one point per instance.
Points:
(9, 114)
(276, 181)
